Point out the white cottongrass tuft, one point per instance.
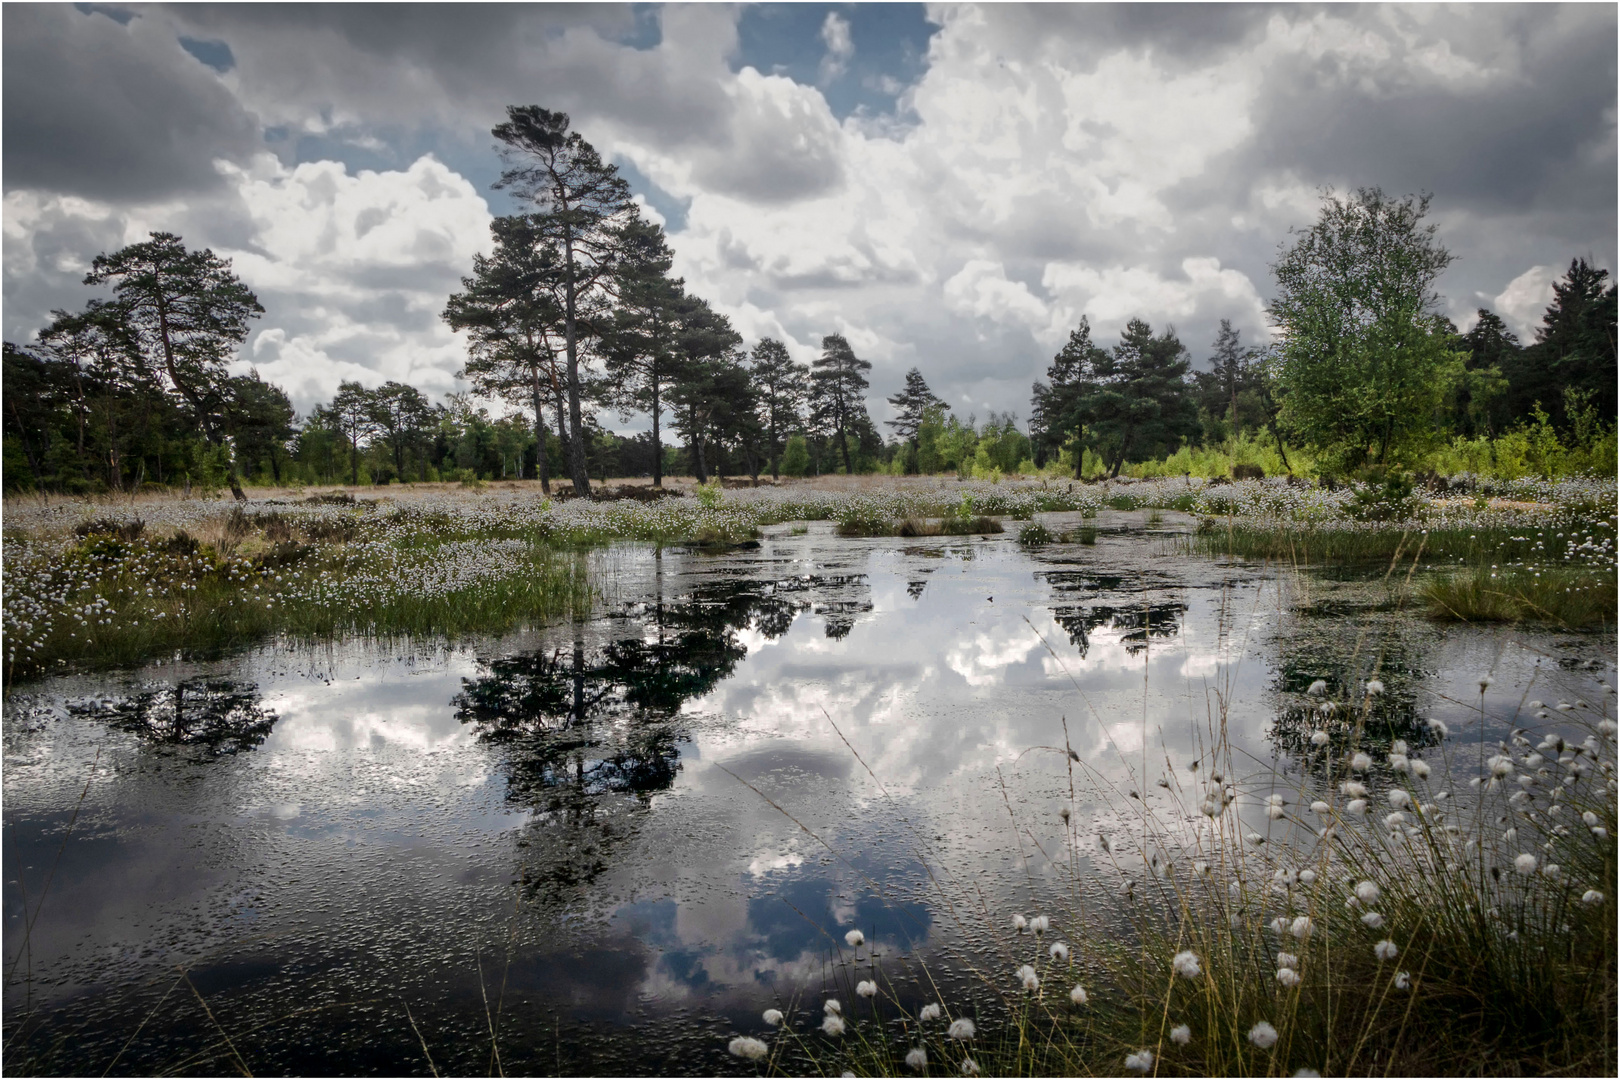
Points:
(1591, 896)
(745, 1047)
(1375, 687)
(1367, 892)
(1500, 765)
(917, 1058)
(1484, 683)
(1319, 737)
(1020, 923)
(1060, 952)
(1385, 950)
(1288, 977)
(1027, 976)
(1355, 789)
(1361, 761)
(1525, 864)
(831, 1007)
(1078, 995)
(832, 1024)
(1040, 924)
(1358, 807)
(1590, 818)
(1399, 799)
(1280, 925)
(961, 1029)
(1403, 980)
(1439, 727)
(1420, 768)
(1320, 807)
(1186, 964)
(1317, 688)
(1302, 927)
(969, 1068)
(1139, 1062)
(866, 988)
(773, 1017)
(1399, 763)
(855, 939)
(1394, 821)
(1275, 812)
(1307, 877)
(1263, 1035)
(1181, 1034)
(1287, 960)
(1372, 920)
(928, 1012)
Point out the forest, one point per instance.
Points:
(573, 317)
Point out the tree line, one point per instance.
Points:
(1364, 371)
(574, 313)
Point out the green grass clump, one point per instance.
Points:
(104, 600)
(1035, 535)
(1576, 599)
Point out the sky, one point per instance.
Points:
(949, 187)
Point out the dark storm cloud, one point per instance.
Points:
(115, 112)
(1493, 145)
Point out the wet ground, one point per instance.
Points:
(615, 841)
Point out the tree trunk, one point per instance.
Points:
(658, 447)
(576, 448)
(540, 434)
(1080, 453)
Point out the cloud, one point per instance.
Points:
(1046, 162)
(120, 113)
(835, 33)
(1526, 298)
(353, 271)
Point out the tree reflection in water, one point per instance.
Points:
(1137, 621)
(591, 734)
(1389, 649)
(212, 715)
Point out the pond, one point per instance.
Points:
(615, 841)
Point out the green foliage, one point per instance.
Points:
(1364, 366)
(796, 457)
(710, 495)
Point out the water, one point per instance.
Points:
(345, 852)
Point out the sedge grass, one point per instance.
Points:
(109, 601)
(1575, 599)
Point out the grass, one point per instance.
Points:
(1576, 599)
(116, 596)
(1472, 933)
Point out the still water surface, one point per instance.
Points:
(576, 824)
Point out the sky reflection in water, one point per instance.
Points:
(582, 811)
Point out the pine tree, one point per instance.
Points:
(1063, 406)
(910, 404)
(780, 386)
(1143, 406)
(509, 310)
(640, 349)
(838, 380)
(584, 208)
(188, 314)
